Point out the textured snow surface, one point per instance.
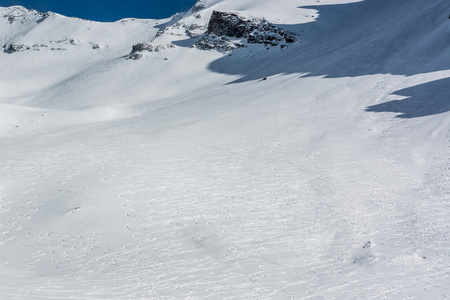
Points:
(319, 171)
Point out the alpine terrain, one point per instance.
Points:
(243, 149)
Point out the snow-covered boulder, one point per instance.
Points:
(219, 43)
(138, 49)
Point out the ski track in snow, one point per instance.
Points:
(231, 212)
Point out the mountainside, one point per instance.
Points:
(291, 149)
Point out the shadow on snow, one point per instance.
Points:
(426, 99)
(364, 38)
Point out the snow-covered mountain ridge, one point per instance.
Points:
(191, 24)
(24, 29)
(222, 26)
(215, 167)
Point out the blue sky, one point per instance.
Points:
(107, 10)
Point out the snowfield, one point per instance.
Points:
(319, 170)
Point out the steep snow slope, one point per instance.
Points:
(316, 171)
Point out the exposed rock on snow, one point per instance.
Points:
(192, 30)
(256, 31)
(195, 30)
(136, 50)
(230, 24)
(27, 31)
(199, 5)
(15, 48)
(224, 32)
(60, 45)
(219, 43)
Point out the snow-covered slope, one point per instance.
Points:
(314, 169)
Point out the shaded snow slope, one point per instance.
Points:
(316, 171)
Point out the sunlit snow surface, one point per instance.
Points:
(187, 175)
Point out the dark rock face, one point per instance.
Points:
(141, 47)
(229, 24)
(137, 49)
(255, 31)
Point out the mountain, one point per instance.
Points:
(292, 149)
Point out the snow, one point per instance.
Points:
(185, 174)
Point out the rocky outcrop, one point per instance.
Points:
(11, 48)
(138, 49)
(229, 24)
(195, 30)
(60, 45)
(224, 32)
(256, 31)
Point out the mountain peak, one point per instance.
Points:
(22, 15)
